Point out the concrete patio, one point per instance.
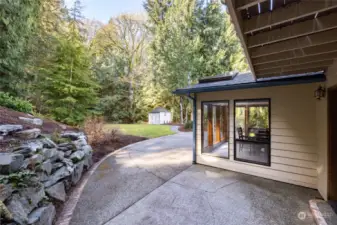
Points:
(153, 182)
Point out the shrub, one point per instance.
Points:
(94, 129)
(15, 103)
(56, 137)
(19, 179)
(188, 125)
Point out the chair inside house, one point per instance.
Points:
(242, 139)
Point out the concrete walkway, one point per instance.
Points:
(153, 183)
(131, 174)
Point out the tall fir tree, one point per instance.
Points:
(18, 22)
(68, 84)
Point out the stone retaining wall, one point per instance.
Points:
(36, 172)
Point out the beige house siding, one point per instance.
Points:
(294, 153)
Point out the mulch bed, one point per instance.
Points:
(9, 116)
(182, 129)
(100, 150)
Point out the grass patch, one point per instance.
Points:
(142, 130)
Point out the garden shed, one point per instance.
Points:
(160, 116)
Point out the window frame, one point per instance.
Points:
(202, 128)
(234, 130)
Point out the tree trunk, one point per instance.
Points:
(186, 115)
(181, 111)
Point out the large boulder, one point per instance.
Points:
(72, 135)
(69, 164)
(67, 153)
(66, 146)
(42, 176)
(36, 159)
(28, 134)
(58, 175)
(5, 191)
(19, 208)
(22, 203)
(56, 166)
(10, 162)
(77, 156)
(8, 128)
(87, 149)
(47, 166)
(28, 148)
(80, 143)
(87, 161)
(57, 191)
(42, 216)
(47, 143)
(77, 174)
(34, 146)
(49, 152)
(34, 121)
(33, 194)
(60, 155)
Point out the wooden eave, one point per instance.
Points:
(280, 37)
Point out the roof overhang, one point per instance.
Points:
(261, 83)
(286, 37)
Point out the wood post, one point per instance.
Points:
(246, 120)
(217, 121)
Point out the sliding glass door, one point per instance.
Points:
(215, 126)
(252, 131)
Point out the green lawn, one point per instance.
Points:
(143, 130)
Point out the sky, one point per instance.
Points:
(102, 10)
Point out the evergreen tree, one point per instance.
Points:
(18, 22)
(67, 84)
(220, 48)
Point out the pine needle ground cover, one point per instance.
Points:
(143, 130)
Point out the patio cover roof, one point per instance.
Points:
(246, 80)
(284, 37)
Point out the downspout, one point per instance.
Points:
(194, 153)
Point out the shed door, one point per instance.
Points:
(157, 118)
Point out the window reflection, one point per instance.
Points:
(252, 131)
(215, 128)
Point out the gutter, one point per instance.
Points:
(320, 77)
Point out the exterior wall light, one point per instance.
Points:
(320, 92)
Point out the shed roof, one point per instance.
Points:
(246, 80)
(159, 109)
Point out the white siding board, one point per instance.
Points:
(293, 133)
(257, 170)
(294, 169)
(294, 140)
(294, 162)
(295, 155)
(293, 147)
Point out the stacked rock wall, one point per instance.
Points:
(35, 172)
